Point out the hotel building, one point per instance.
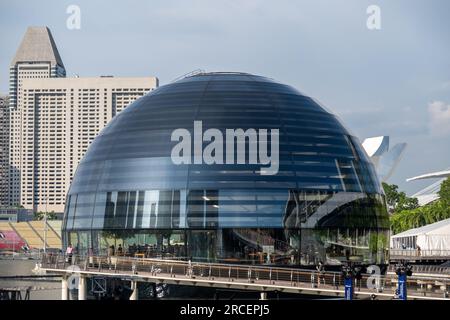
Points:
(54, 119)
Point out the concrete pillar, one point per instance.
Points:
(82, 288)
(135, 294)
(64, 289)
(263, 296)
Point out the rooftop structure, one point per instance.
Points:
(431, 175)
(36, 57)
(385, 159)
(431, 192)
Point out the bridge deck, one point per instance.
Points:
(255, 278)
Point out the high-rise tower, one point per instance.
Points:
(54, 119)
(4, 151)
(37, 57)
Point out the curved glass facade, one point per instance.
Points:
(324, 204)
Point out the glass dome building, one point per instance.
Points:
(324, 202)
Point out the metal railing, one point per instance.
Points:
(176, 267)
(242, 274)
(427, 269)
(419, 253)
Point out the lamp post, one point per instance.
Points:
(403, 270)
(45, 225)
(348, 282)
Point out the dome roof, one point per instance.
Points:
(316, 152)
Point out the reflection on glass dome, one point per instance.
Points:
(325, 203)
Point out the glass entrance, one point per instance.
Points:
(202, 245)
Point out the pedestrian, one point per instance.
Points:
(321, 273)
(112, 251)
(69, 253)
(110, 254)
(189, 270)
(418, 251)
(91, 256)
(347, 254)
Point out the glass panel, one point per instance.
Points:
(83, 211)
(121, 210)
(164, 214)
(131, 210)
(111, 200)
(140, 210)
(149, 219)
(212, 208)
(195, 209)
(99, 210)
(72, 201)
(202, 245)
(176, 214)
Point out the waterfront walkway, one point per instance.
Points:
(239, 277)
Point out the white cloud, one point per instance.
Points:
(439, 118)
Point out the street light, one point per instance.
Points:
(45, 225)
(402, 270)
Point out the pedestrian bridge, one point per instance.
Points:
(237, 277)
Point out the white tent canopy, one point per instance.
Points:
(435, 237)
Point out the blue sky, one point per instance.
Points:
(394, 81)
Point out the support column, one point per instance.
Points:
(82, 288)
(348, 282)
(135, 294)
(263, 296)
(64, 289)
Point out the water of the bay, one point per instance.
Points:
(48, 290)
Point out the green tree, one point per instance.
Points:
(406, 203)
(444, 192)
(391, 191)
(398, 201)
(408, 218)
(40, 215)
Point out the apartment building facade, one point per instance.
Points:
(54, 119)
(4, 151)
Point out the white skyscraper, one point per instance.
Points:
(4, 151)
(37, 57)
(55, 119)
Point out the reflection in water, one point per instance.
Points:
(23, 267)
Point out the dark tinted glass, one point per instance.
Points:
(325, 183)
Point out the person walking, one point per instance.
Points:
(321, 273)
(189, 269)
(91, 256)
(69, 253)
(111, 253)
